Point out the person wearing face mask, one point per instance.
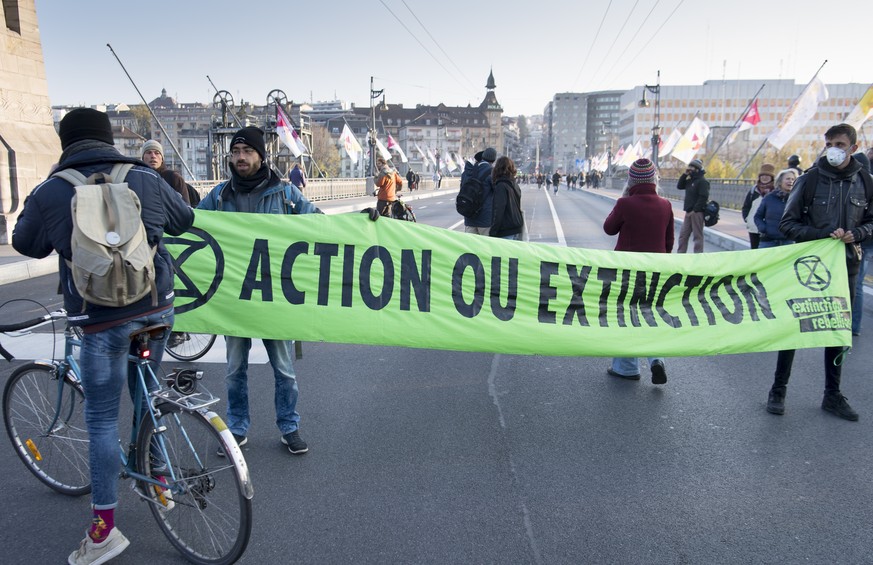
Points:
(840, 181)
(770, 209)
(753, 200)
(696, 189)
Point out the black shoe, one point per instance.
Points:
(240, 441)
(659, 373)
(776, 403)
(619, 375)
(836, 403)
(295, 445)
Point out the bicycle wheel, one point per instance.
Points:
(189, 347)
(209, 520)
(32, 400)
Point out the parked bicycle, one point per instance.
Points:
(183, 346)
(399, 210)
(181, 457)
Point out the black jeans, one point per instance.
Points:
(833, 371)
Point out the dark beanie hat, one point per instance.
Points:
(489, 155)
(478, 156)
(253, 137)
(85, 123)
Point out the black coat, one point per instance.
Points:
(507, 218)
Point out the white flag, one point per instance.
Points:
(671, 142)
(382, 151)
(287, 134)
(692, 142)
(350, 143)
(396, 147)
(421, 152)
(799, 113)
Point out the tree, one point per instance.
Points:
(523, 129)
(325, 151)
(143, 120)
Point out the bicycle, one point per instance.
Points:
(181, 456)
(183, 346)
(399, 210)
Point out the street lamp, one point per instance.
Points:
(606, 126)
(374, 95)
(656, 124)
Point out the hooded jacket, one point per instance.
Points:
(46, 225)
(837, 200)
(769, 214)
(388, 182)
(507, 218)
(643, 221)
(276, 197)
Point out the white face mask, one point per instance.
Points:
(835, 156)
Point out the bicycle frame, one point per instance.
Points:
(68, 372)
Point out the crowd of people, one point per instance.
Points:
(782, 208)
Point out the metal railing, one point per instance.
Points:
(729, 193)
(337, 188)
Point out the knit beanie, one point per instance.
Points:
(697, 163)
(489, 155)
(85, 123)
(642, 171)
(152, 145)
(253, 137)
(767, 169)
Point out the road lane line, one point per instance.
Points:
(558, 229)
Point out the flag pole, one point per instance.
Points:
(149, 108)
(802, 92)
(736, 124)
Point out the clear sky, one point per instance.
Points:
(438, 51)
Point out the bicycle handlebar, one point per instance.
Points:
(4, 328)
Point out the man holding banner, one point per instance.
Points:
(833, 199)
(255, 188)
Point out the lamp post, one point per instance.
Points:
(605, 127)
(374, 95)
(656, 123)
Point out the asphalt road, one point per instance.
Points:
(420, 456)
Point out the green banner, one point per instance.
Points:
(347, 279)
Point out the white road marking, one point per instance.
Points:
(558, 229)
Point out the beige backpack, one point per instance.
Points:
(112, 264)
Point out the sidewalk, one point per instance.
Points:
(15, 267)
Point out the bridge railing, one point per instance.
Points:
(729, 193)
(337, 188)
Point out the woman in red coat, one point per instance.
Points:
(644, 223)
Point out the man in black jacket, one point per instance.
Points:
(696, 189)
(846, 214)
(46, 225)
(480, 224)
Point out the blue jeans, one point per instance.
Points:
(858, 304)
(237, 380)
(628, 366)
(105, 368)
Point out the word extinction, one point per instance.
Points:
(565, 293)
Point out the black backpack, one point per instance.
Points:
(710, 214)
(470, 198)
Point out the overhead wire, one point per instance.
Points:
(423, 46)
(637, 31)
(591, 48)
(614, 41)
(432, 38)
(646, 44)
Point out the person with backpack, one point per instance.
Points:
(153, 156)
(47, 224)
(507, 219)
(696, 189)
(476, 195)
(753, 200)
(255, 188)
(839, 180)
(643, 221)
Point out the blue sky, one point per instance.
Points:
(327, 50)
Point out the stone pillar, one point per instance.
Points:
(29, 145)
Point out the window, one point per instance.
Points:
(13, 20)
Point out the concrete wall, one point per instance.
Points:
(29, 145)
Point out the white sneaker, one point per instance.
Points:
(90, 553)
